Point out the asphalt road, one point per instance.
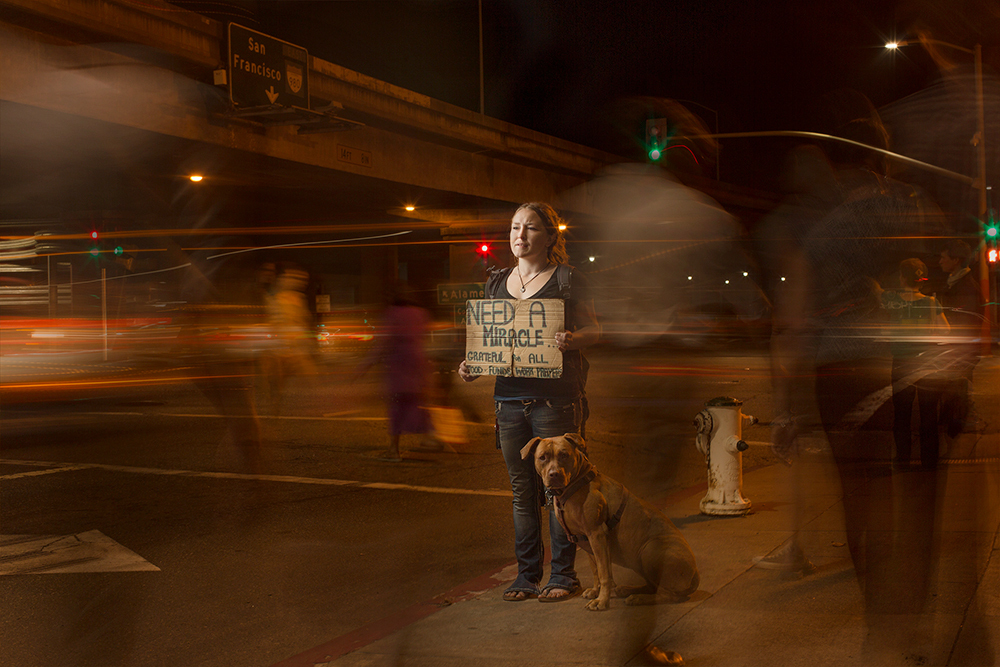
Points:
(233, 568)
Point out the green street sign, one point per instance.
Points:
(264, 70)
(456, 294)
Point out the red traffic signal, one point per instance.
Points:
(483, 249)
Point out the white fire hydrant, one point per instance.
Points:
(719, 438)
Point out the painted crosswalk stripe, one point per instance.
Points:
(47, 471)
(90, 551)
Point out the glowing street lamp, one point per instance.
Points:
(980, 142)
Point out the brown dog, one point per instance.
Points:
(612, 525)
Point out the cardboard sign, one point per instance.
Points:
(513, 337)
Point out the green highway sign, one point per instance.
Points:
(456, 294)
(264, 70)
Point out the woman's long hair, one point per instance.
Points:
(556, 253)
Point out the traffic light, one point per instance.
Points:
(483, 252)
(990, 237)
(125, 256)
(656, 138)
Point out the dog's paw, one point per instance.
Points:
(622, 591)
(589, 593)
(597, 605)
(640, 599)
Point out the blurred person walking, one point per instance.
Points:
(532, 407)
(963, 302)
(914, 321)
(832, 308)
(401, 347)
(292, 332)
(222, 371)
(673, 277)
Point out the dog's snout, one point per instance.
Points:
(555, 476)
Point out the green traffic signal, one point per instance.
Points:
(119, 250)
(656, 138)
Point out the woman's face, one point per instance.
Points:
(528, 237)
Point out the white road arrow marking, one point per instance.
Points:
(271, 95)
(91, 551)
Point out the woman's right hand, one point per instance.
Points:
(463, 372)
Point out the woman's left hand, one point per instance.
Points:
(564, 339)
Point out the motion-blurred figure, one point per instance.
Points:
(915, 323)
(962, 298)
(672, 268)
(667, 252)
(830, 322)
(401, 347)
(215, 289)
(292, 332)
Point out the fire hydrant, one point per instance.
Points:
(719, 438)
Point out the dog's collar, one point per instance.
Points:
(572, 488)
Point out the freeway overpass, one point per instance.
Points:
(109, 105)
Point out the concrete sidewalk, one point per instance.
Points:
(741, 615)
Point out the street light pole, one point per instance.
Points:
(984, 270)
(980, 183)
(482, 87)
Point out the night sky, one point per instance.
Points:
(558, 66)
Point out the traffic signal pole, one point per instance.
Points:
(104, 309)
(989, 322)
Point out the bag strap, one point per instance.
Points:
(564, 272)
(495, 280)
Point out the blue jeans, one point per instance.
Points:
(518, 422)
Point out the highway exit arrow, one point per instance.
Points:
(264, 70)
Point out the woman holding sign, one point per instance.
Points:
(529, 407)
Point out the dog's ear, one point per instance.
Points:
(577, 441)
(529, 449)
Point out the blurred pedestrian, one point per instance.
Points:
(963, 302)
(674, 264)
(222, 370)
(534, 407)
(832, 306)
(915, 323)
(672, 275)
(401, 347)
(293, 334)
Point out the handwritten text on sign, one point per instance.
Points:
(514, 337)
